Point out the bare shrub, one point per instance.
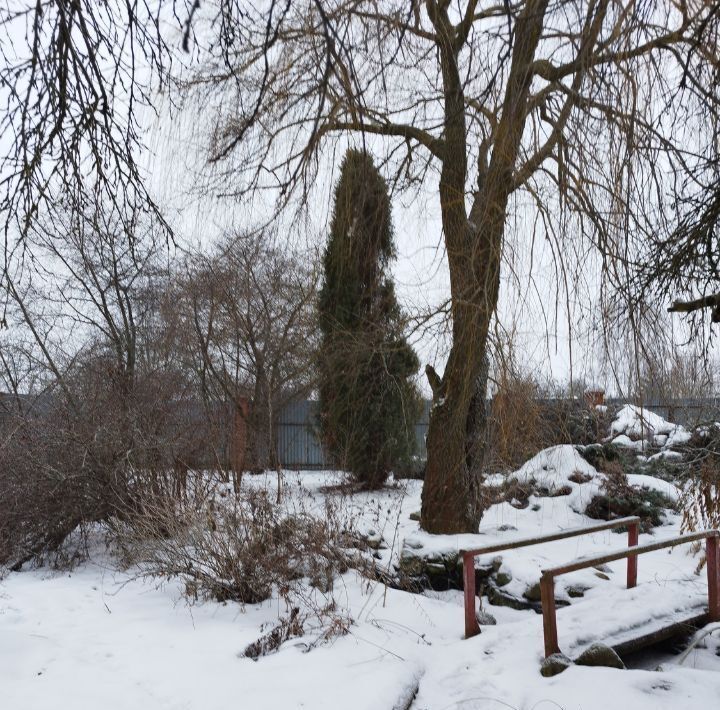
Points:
(286, 628)
(67, 464)
(527, 417)
(700, 502)
(515, 424)
(234, 547)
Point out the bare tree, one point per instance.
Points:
(573, 108)
(589, 111)
(74, 77)
(251, 308)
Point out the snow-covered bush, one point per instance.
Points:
(234, 547)
(618, 498)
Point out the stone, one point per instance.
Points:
(415, 516)
(483, 573)
(554, 664)
(598, 654)
(438, 570)
(576, 590)
(533, 592)
(601, 575)
(484, 618)
(498, 597)
(411, 565)
(506, 527)
(502, 579)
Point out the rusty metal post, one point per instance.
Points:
(632, 560)
(547, 598)
(712, 548)
(472, 628)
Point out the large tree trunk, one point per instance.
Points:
(452, 501)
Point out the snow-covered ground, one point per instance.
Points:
(100, 639)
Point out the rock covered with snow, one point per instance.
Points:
(638, 428)
(598, 654)
(558, 469)
(554, 664)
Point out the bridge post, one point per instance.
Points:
(472, 627)
(547, 599)
(632, 560)
(712, 549)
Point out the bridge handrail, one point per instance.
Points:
(547, 580)
(472, 627)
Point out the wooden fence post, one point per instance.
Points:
(632, 562)
(547, 598)
(712, 548)
(472, 628)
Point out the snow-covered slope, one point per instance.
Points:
(97, 639)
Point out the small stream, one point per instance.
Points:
(667, 653)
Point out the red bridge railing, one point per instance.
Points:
(472, 627)
(547, 581)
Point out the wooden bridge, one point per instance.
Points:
(650, 630)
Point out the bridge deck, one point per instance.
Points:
(632, 619)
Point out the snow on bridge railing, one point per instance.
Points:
(547, 581)
(472, 628)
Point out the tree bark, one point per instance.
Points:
(451, 499)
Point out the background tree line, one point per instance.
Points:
(124, 366)
(597, 116)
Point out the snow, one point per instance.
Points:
(552, 468)
(100, 639)
(637, 422)
(625, 441)
(635, 427)
(656, 484)
(678, 437)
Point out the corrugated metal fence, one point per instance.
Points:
(299, 441)
(298, 436)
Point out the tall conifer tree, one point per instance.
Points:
(369, 401)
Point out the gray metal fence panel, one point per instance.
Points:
(298, 441)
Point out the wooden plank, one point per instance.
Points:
(677, 628)
(550, 537)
